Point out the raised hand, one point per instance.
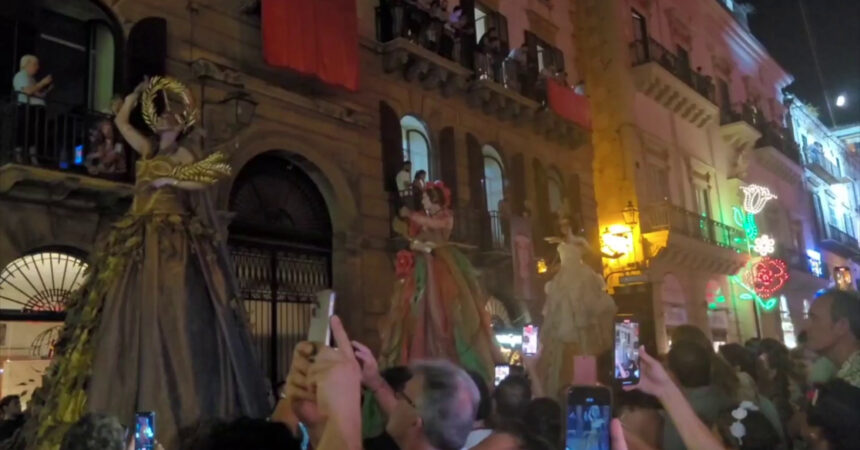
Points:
(299, 391)
(336, 373)
(654, 379)
(370, 377)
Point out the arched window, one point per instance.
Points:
(554, 187)
(494, 177)
(416, 146)
(43, 281)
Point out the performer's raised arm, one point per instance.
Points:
(135, 139)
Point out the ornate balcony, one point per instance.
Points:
(838, 241)
(659, 74)
(689, 239)
(777, 150)
(50, 154)
(817, 162)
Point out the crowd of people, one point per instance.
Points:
(749, 397)
(52, 136)
(451, 33)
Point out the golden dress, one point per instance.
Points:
(157, 326)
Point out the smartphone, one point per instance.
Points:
(627, 351)
(319, 330)
(502, 372)
(144, 430)
(530, 340)
(589, 411)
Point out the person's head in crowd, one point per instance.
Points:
(752, 344)
(485, 404)
(514, 436)
(833, 326)
(543, 419)
(690, 365)
(778, 369)
(396, 377)
(739, 357)
(640, 414)
(30, 64)
(722, 374)
(246, 434)
(10, 406)
(511, 398)
(834, 417)
(421, 175)
(436, 409)
(744, 427)
(407, 167)
(95, 431)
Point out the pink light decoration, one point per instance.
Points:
(767, 276)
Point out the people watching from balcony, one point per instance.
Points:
(107, 155)
(517, 60)
(418, 186)
(31, 108)
(403, 181)
(488, 48)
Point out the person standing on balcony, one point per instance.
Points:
(418, 186)
(31, 107)
(403, 181)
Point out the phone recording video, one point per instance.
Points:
(319, 330)
(530, 340)
(502, 372)
(144, 430)
(627, 351)
(589, 411)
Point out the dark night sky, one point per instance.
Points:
(835, 26)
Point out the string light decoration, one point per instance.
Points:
(756, 197)
(767, 276)
(749, 294)
(764, 245)
(746, 222)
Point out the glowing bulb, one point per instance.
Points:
(764, 245)
(840, 101)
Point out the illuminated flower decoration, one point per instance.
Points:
(446, 193)
(764, 245)
(756, 197)
(404, 264)
(767, 276)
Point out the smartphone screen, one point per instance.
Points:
(319, 330)
(502, 372)
(530, 340)
(627, 351)
(144, 430)
(589, 410)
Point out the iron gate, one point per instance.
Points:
(278, 285)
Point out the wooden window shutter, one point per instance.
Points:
(392, 145)
(477, 195)
(146, 50)
(558, 56)
(448, 162)
(502, 26)
(574, 200)
(518, 182)
(543, 213)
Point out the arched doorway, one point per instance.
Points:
(34, 292)
(280, 241)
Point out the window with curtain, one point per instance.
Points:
(416, 145)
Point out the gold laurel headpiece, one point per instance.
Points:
(167, 84)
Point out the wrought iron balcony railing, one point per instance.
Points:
(814, 157)
(486, 230)
(645, 51)
(668, 217)
(56, 136)
(775, 136)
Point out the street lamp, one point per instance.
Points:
(629, 213)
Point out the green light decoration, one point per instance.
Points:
(746, 222)
(765, 304)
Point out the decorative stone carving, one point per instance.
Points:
(421, 65)
(204, 68)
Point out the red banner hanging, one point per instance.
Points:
(568, 104)
(314, 37)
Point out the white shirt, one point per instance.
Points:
(476, 437)
(21, 81)
(403, 180)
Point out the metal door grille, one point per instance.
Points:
(278, 286)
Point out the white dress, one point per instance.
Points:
(577, 316)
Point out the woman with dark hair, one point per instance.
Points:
(778, 380)
(746, 428)
(833, 417)
(438, 306)
(722, 374)
(543, 419)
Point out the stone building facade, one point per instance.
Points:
(309, 206)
